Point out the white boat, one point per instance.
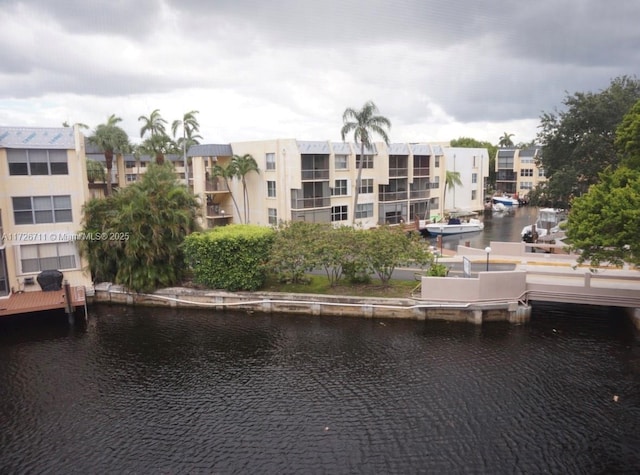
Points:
(454, 226)
(505, 200)
(547, 222)
(499, 207)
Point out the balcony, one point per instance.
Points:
(398, 172)
(306, 203)
(422, 172)
(215, 185)
(419, 194)
(392, 196)
(315, 175)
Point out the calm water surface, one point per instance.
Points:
(164, 391)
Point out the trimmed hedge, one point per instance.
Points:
(230, 257)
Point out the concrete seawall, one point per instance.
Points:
(330, 305)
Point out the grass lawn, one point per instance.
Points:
(319, 284)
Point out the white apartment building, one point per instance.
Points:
(472, 166)
(43, 187)
(315, 181)
(516, 171)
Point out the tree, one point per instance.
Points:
(627, 139)
(364, 123)
(158, 146)
(190, 126)
(242, 166)
(492, 150)
(505, 140)
(95, 171)
(141, 229)
(111, 139)
(294, 251)
(154, 124)
(388, 247)
(604, 223)
(227, 173)
(451, 180)
(578, 142)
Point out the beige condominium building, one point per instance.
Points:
(517, 172)
(315, 181)
(43, 187)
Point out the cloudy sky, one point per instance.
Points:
(259, 69)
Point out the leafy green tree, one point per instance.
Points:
(158, 146)
(578, 142)
(143, 227)
(451, 180)
(492, 150)
(111, 139)
(627, 140)
(294, 251)
(242, 166)
(604, 224)
(227, 172)
(389, 247)
(505, 140)
(190, 127)
(335, 247)
(363, 123)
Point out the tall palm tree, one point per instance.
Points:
(154, 124)
(505, 140)
(189, 137)
(364, 123)
(111, 139)
(227, 173)
(158, 146)
(242, 166)
(451, 180)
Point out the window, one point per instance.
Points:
(273, 216)
(342, 162)
(367, 163)
(364, 210)
(39, 257)
(37, 162)
(340, 188)
(436, 182)
(271, 161)
(339, 213)
(526, 172)
(42, 209)
(437, 160)
(366, 186)
(474, 176)
(526, 185)
(474, 194)
(271, 189)
(131, 177)
(130, 164)
(541, 172)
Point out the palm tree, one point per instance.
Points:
(189, 137)
(111, 139)
(451, 180)
(505, 140)
(363, 123)
(227, 173)
(158, 146)
(95, 171)
(154, 124)
(242, 165)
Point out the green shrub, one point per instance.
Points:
(230, 257)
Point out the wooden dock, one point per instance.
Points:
(39, 301)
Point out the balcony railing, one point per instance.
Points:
(215, 184)
(305, 203)
(395, 172)
(315, 175)
(421, 172)
(392, 196)
(418, 194)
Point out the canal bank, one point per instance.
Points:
(318, 305)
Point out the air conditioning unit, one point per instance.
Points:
(29, 281)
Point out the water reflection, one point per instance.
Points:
(158, 390)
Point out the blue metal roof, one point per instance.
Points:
(37, 137)
(210, 150)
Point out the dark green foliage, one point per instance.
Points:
(143, 227)
(628, 138)
(230, 257)
(604, 224)
(578, 143)
(295, 250)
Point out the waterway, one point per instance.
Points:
(505, 226)
(144, 390)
